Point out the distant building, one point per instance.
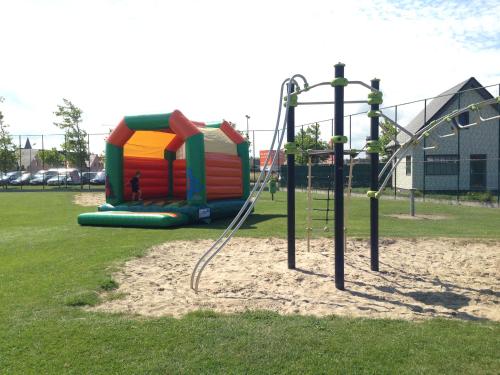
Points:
(28, 159)
(95, 164)
(280, 159)
(467, 161)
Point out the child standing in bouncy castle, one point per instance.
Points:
(136, 189)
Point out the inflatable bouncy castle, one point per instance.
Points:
(189, 172)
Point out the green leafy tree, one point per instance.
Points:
(75, 138)
(388, 135)
(8, 159)
(51, 158)
(309, 139)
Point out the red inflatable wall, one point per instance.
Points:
(223, 176)
(180, 179)
(153, 180)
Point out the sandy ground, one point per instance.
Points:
(419, 279)
(420, 217)
(89, 199)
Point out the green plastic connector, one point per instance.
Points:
(372, 143)
(340, 81)
(448, 118)
(426, 134)
(372, 194)
(291, 148)
(373, 114)
(353, 152)
(473, 107)
(293, 100)
(375, 97)
(339, 139)
(498, 99)
(373, 147)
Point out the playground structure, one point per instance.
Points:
(190, 172)
(372, 147)
(329, 197)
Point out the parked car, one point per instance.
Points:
(9, 176)
(24, 179)
(65, 176)
(99, 179)
(41, 177)
(87, 177)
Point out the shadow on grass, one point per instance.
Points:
(250, 222)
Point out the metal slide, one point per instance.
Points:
(254, 195)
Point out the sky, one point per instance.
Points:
(226, 59)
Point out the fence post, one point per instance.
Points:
(425, 161)
(43, 164)
(350, 133)
(20, 161)
(88, 156)
(412, 202)
(253, 153)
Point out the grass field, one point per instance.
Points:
(50, 267)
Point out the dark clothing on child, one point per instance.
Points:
(135, 184)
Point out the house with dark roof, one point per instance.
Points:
(450, 160)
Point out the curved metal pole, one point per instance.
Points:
(245, 205)
(206, 258)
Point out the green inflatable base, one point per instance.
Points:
(133, 219)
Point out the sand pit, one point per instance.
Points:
(419, 279)
(89, 199)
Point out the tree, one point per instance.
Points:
(308, 139)
(75, 138)
(8, 158)
(51, 158)
(389, 133)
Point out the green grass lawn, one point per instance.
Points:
(49, 267)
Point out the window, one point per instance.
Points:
(463, 118)
(408, 165)
(441, 165)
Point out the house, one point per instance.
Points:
(27, 157)
(464, 160)
(95, 164)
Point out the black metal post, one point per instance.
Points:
(290, 184)
(395, 149)
(374, 168)
(498, 154)
(43, 164)
(424, 156)
(350, 133)
(339, 180)
(88, 157)
(458, 154)
(20, 160)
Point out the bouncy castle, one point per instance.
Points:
(189, 172)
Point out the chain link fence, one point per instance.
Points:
(462, 167)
